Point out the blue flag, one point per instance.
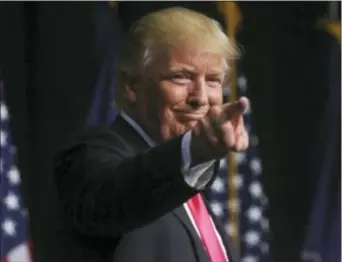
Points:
(15, 242)
(102, 109)
(323, 237)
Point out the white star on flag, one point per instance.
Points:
(13, 176)
(8, 227)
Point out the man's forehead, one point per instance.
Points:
(189, 58)
(213, 68)
(194, 59)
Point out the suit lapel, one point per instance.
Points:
(201, 254)
(184, 219)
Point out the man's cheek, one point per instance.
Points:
(217, 100)
(168, 116)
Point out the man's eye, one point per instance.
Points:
(181, 79)
(214, 82)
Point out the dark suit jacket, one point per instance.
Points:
(122, 201)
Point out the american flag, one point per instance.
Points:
(14, 231)
(250, 202)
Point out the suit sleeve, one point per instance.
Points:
(106, 194)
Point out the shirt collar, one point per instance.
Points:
(138, 128)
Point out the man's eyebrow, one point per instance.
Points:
(181, 67)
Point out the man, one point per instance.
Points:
(133, 191)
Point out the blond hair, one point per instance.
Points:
(160, 31)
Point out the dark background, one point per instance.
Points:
(51, 54)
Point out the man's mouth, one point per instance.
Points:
(191, 115)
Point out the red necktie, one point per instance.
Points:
(202, 219)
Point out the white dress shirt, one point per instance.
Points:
(197, 176)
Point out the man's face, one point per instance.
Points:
(179, 92)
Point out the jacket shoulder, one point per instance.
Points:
(90, 135)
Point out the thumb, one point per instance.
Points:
(232, 110)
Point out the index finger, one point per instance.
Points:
(232, 110)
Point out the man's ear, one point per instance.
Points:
(130, 93)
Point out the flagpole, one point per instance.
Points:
(232, 17)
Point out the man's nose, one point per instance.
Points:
(198, 95)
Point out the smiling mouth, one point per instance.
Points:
(191, 115)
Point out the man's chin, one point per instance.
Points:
(176, 130)
(188, 125)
